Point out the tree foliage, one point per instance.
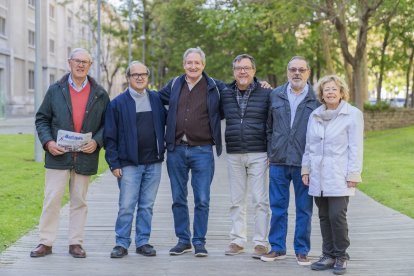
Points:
(362, 40)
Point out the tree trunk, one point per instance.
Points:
(407, 79)
(327, 50)
(358, 85)
(382, 62)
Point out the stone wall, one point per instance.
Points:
(394, 118)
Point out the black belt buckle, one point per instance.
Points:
(185, 143)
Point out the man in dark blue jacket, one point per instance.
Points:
(193, 127)
(134, 143)
(290, 107)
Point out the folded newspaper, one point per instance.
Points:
(72, 141)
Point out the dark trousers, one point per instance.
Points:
(334, 226)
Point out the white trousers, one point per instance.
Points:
(249, 171)
(55, 186)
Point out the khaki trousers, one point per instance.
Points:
(248, 172)
(55, 185)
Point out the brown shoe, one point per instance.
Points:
(41, 250)
(272, 256)
(77, 251)
(302, 259)
(259, 251)
(233, 249)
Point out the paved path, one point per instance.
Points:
(382, 241)
(17, 125)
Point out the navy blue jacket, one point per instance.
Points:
(120, 132)
(286, 144)
(170, 94)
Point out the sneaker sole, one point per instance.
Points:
(304, 263)
(147, 255)
(267, 259)
(201, 254)
(321, 268)
(180, 253)
(233, 253)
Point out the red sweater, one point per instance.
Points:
(79, 101)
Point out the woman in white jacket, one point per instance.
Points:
(332, 166)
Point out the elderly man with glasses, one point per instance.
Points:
(134, 144)
(244, 105)
(75, 103)
(290, 107)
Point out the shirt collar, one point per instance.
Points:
(304, 91)
(73, 84)
(136, 94)
(191, 85)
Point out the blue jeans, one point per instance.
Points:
(138, 187)
(280, 178)
(200, 160)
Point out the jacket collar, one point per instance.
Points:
(310, 96)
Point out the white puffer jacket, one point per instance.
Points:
(333, 155)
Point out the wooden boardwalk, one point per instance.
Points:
(382, 241)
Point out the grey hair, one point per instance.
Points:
(299, 58)
(244, 56)
(77, 50)
(195, 50)
(135, 62)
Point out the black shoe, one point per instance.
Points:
(146, 250)
(200, 250)
(325, 262)
(180, 248)
(119, 252)
(340, 266)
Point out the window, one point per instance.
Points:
(52, 11)
(31, 3)
(52, 46)
(69, 22)
(31, 80)
(52, 79)
(31, 38)
(2, 26)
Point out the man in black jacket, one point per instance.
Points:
(244, 105)
(76, 103)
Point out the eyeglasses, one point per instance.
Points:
(240, 69)
(300, 70)
(137, 75)
(79, 62)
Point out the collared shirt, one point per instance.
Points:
(243, 98)
(135, 93)
(191, 85)
(73, 84)
(295, 99)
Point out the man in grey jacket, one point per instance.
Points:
(75, 103)
(290, 107)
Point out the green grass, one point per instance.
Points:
(388, 174)
(21, 187)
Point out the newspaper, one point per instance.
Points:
(72, 141)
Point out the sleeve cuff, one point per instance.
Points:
(354, 177)
(305, 170)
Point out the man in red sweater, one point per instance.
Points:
(75, 103)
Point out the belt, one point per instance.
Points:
(182, 142)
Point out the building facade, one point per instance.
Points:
(62, 29)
